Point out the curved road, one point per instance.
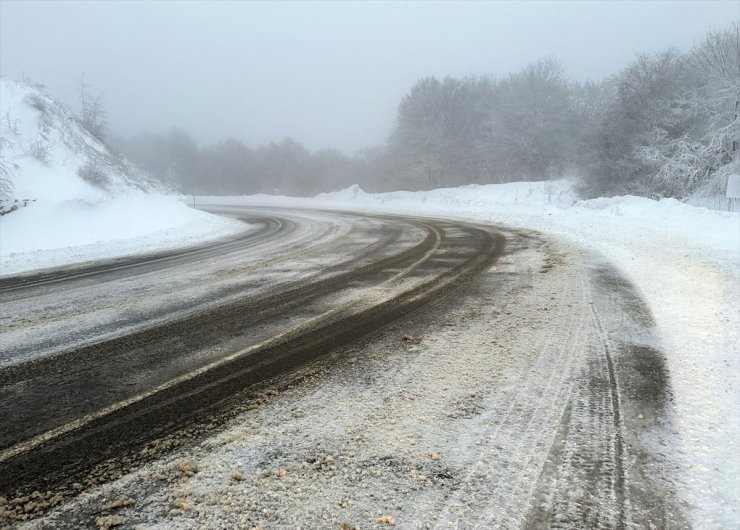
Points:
(102, 359)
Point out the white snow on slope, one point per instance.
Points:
(114, 210)
(57, 234)
(685, 260)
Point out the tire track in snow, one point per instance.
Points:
(72, 450)
(600, 473)
(522, 424)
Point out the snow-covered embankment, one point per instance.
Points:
(83, 202)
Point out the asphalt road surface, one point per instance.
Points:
(104, 358)
(352, 368)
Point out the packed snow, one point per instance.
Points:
(82, 202)
(685, 260)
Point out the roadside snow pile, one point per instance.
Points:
(77, 200)
(685, 260)
(473, 196)
(50, 234)
(695, 225)
(551, 206)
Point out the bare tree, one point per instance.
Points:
(719, 56)
(92, 115)
(6, 169)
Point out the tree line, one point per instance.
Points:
(232, 167)
(662, 127)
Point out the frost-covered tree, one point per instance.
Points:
(657, 96)
(421, 140)
(529, 128)
(664, 126)
(590, 103)
(650, 114)
(670, 128)
(717, 58)
(436, 138)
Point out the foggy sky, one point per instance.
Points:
(326, 74)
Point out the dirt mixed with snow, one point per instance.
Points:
(468, 414)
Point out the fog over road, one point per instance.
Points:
(530, 365)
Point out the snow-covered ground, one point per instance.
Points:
(685, 261)
(86, 203)
(83, 202)
(60, 233)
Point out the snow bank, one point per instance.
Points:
(551, 206)
(685, 260)
(52, 234)
(85, 202)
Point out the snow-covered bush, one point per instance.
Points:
(95, 174)
(6, 170)
(39, 149)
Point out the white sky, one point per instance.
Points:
(328, 74)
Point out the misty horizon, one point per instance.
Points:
(327, 75)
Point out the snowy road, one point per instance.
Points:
(106, 358)
(315, 352)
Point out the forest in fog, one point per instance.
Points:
(662, 127)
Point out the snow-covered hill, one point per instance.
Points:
(82, 201)
(55, 158)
